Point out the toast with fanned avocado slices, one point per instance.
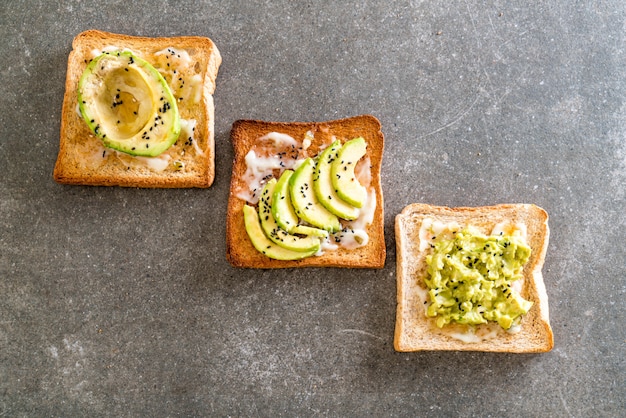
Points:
(281, 208)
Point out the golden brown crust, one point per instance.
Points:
(76, 140)
(245, 133)
(415, 332)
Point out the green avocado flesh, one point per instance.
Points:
(469, 279)
(342, 172)
(305, 202)
(323, 185)
(276, 234)
(282, 209)
(263, 244)
(284, 213)
(128, 104)
(309, 230)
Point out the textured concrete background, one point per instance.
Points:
(120, 302)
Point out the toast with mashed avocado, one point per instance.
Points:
(469, 279)
(285, 210)
(138, 112)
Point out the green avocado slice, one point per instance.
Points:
(305, 202)
(276, 234)
(263, 244)
(342, 172)
(127, 103)
(309, 230)
(282, 209)
(323, 186)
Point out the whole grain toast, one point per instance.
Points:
(415, 331)
(246, 133)
(189, 65)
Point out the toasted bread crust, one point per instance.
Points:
(76, 140)
(245, 133)
(415, 332)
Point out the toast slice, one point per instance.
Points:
(312, 138)
(189, 64)
(416, 332)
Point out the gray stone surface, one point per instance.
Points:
(120, 302)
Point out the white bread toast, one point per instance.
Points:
(245, 135)
(192, 60)
(416, 332)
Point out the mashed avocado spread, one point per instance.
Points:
(470, 275)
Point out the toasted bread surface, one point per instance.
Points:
(414, 331)
(83, 159)
(245, 134)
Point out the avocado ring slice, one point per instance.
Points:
(127, 103)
